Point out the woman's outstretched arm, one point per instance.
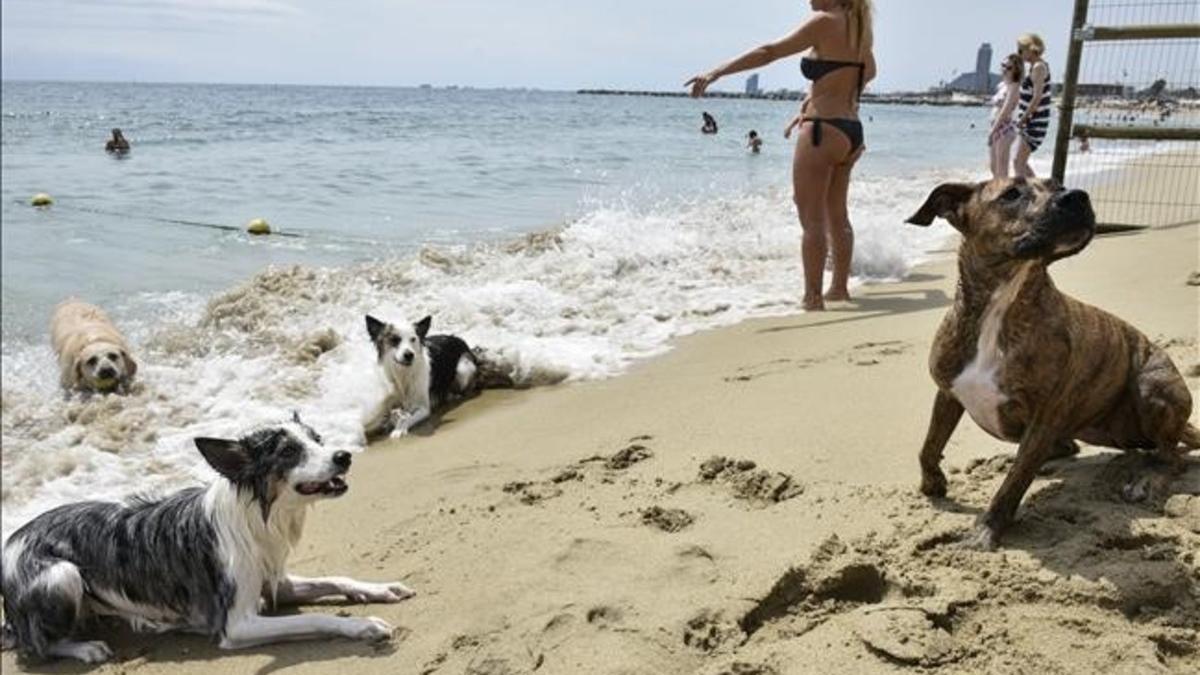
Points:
(800, 39)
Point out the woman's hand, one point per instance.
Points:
(787, 131)
(699, 83)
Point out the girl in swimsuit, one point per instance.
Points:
(1004, 131)
(840, 63)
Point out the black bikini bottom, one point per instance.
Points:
(852, 128)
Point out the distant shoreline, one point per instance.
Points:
(896, 99)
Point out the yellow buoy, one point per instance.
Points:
(258, 226)
(41, 199)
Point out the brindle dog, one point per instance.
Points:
(1029, 363)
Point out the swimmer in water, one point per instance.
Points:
(117, 144)
(753, 141)
(710, 124)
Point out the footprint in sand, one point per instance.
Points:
(604, 616)
(711, 631)
(872, 353)
(667, 520)
(757, 486)
(745, 668)
(535, 492)
(767, 368)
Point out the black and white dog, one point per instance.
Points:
(423, 371)
(201, 560)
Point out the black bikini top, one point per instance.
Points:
(815, 69)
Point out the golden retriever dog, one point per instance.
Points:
(92, 354)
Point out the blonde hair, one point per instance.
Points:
(862, 35)
(1033, 42)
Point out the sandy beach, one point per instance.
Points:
(587, 528)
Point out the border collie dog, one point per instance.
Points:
(423, 371)
(201, 560)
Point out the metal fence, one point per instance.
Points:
(1129, 131)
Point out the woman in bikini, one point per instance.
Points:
(840, 63)
(1033, 112)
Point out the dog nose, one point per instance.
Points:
(408, 357)
(1075, 200)
(107, 372)
(341, 459)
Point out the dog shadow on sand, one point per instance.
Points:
(134, 649)
(1142, 555)
(1079, 547)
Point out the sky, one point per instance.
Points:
(547, 44)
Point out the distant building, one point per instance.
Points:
(983, 67)
(1103, 90)
(752, 85)
(979, 81)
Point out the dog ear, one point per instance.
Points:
(75, 376)
(422, 326)
(946, 201)
(131, 365)
(227, 457)
(374, 327)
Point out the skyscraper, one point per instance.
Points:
(983, 66)
(752, 84)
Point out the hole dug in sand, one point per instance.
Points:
(814, 592)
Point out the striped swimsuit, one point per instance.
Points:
(1035, 130)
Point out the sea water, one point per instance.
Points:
(568, 235)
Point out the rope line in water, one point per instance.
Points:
(173, 221)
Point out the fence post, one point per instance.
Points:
(1070, 79)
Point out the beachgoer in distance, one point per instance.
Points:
(840, 63)
(1003, 131)
(753, 142)
(710, 124)
(1033, 113)
(117, 144)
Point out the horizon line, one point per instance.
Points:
(428, 85)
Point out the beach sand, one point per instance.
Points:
(585, 528)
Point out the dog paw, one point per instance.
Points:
(1136, 490)
(389, 592)
(399, 431)
(1064, 449)
(371, 629)
(93, 651)
(933, 483)
(398, 591)
(983, 538)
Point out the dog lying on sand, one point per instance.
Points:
(423, 371)
(92, 354)
(1030, 364)
(201, 560)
